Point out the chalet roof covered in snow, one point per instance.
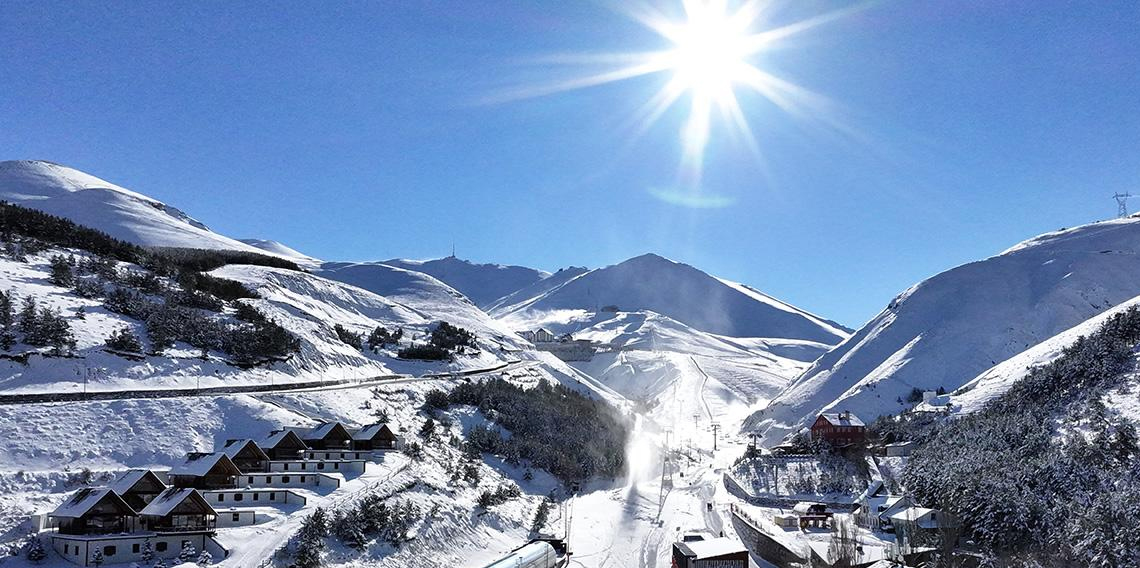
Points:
(275, 438)
(86, 499)
(127, 481)
(323, 430)
(201, 464)
(168, 500)
(234, 447)
(842, 419)
(371, 431)
(921, 516)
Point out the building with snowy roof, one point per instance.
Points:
(374, 437)
(711, 553)
(93, 510)
(838, 428)
(179, 509)
(138, 487)
(247, 455)
(328, 436)
(283, 444)
(214, 470)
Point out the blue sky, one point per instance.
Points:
(363, 130)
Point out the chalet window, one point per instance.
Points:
(336, 465)
(221, 497)
(321, 465)
(285, 479)
(286, 467)
(272, 496)
(237, 517)
(160, 546)
(255, 496)
(135, 548)
(109, 550)
(302, 479)
(238, 496)
(250, 479)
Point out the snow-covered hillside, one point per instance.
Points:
(945, 331)
(417, 291)
(102, 205)
(482, 283)
(996, 380)
(280, 249)
(686, 294)
(505, 304)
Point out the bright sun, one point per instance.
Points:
(710, 59)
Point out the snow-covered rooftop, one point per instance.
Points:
(712, 548)
(370, 431)
(842, 419)
(87, 498)
(126, 481)
(165, 502)
(201, 464)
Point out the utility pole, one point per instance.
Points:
(1121, 203)
(715, 428)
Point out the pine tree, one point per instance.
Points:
(7, 321)
(187, 552)
(29, 316)
(61, 274)
(160, 563)
(147, 553)
(204, 559)
(97, 558)
(123, 339)
(36, 553)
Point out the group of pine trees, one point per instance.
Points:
(165, 289)
(553, 427)
(1043, 475)
(444, 340)
(376, 339)
(369, 519)
(37, 326)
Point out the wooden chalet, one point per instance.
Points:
(247, 455)
(206, 471)
(93, 510)
(838, 429)
(138, 487)
(328, 436)
(283, 445)
(179, 509)
(374, 437)
(812, 514)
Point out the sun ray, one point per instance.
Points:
(710, 57)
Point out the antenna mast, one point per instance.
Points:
(1121, 203)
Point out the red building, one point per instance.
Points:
(839, 429)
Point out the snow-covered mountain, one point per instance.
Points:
(416, 290)
(102, 205)
(280, 249)
(686, 294)
(945, 331)
(482, 283)
(520, 296)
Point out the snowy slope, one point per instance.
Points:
(998, 379)
(102, 205)
(482, 283)
(280, 249)
(508, 302)
(650, 282)
(946, 330)
(414, 290)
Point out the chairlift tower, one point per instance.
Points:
(715, 428)
(1121, 203)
